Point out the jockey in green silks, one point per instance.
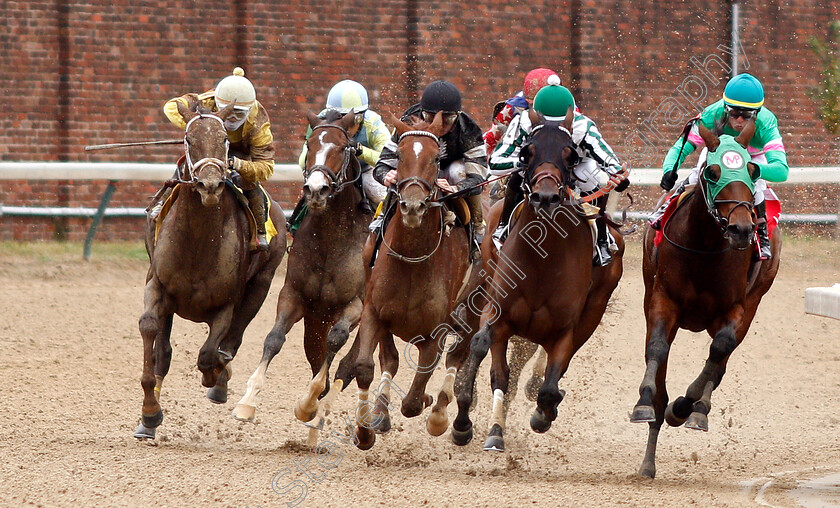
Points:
(743, 100)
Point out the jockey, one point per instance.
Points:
(463, 159)
(251, 152)
(743, 100)
(368, 136)
(596, 156)
(507, 110)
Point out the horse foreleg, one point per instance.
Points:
(438, 420)
(153, 325)
(289, 312)
(389, 362)
(500, 383)
(550, 396)
(371, 332)
(416, 400)
(462, 431)
(653, 396)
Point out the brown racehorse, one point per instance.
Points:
(544, 287)
(325, 278)
(202, 267)
(417, 282)
(702, 278)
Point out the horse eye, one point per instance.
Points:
(711, 175)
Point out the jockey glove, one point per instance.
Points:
(623, 185)
(668, 180)
(358, 147)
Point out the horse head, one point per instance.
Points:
(728, 183)
(329, 156)
(206, 147)
(418, 163)
(549, 157)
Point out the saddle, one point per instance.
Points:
(270, 229)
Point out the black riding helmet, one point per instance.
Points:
(441, 96)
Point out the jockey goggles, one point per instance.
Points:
(746, 114)
(449, 117)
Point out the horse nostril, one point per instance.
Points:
(555, 199)
(324, 192)
(403, 207)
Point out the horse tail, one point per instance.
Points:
(619, 225)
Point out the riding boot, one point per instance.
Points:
(513, 194)
(476, 225)
(256, 202)
(655, 218)
(364, 203)
(296, 217)
(603, 256)
(158, 201)
(765, 252)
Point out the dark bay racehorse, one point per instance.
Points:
(544, 286)
(420, 277)
(325, 278)
(702, 278)
(202, 267)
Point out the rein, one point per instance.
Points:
(194, 167)
(431, 200)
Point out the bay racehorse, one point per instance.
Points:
(544, 287)
(418, 286)
(702, 277)
(325, 277)
(202, 266)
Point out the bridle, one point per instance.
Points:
(720, 220)
(431, 200)
(533, 179)
(194, 167)
(336, 181)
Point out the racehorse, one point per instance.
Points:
(702, 278)
(420, 278)
(325, 278)
(201, 265)
(544, 287)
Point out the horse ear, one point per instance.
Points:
(534, 116)
(225, 111)
(436, 126)
(570, 119)
(709, 137)
(186, 112)
(348, 121)
(746, 135)
(400, 126)
(312, 118)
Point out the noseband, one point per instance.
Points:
(712, 207)
(195, 167)
(336, 181)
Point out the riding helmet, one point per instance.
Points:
(536, 79)
(236, 88)
(744, 91)
(346, 96)
(441, 96)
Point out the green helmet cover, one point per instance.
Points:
(553, 101)
(732, 159)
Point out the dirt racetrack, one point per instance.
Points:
(73, 359)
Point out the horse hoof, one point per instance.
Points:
(144, 432)
(304, 415)
(532, 388)
(244, 413)
(153, 421)
(643, 414)
(382, 424)
(647, 471)
(365, 438)
(494, 444)
(698, 421)
(672, 419)
(437, 423)
(462, 437)
(217, 395)
(539, 423)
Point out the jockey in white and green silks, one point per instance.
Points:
(743, 100)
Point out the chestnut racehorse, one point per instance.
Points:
(544, 287)
(702, 278)
(420, 277)
(202, 267)
(325, 278)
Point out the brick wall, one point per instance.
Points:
(77, 73)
